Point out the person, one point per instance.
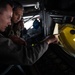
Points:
(18, 28)
(11, 53)
(16, 17)
(17, 37)
(13, 32)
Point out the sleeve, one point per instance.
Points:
(11, 53)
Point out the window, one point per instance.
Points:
(28, 21)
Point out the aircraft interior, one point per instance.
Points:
(43, 18)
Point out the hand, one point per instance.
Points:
(52, 39)
(18, 40)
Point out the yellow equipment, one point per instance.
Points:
(67, 38)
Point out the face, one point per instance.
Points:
(17, 15)
(5, 18)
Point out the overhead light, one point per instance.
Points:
(36, 6)
(29, 5)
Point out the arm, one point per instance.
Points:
(11, 53)
(18, 40)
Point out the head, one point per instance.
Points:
(17, 12)
(5, 14)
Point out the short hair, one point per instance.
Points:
(4, 3)
(17, 5)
